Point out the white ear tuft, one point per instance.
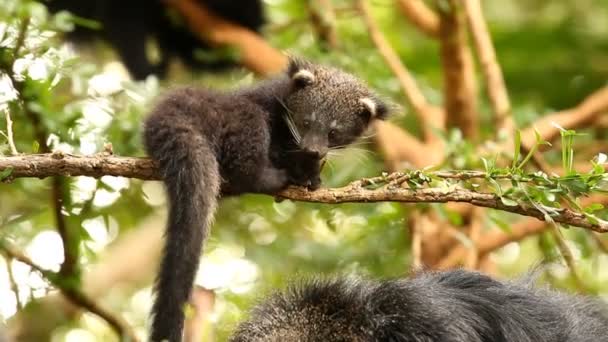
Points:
(370, 105)
(303, 77)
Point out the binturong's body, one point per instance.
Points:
(453, 306)
(258, 139)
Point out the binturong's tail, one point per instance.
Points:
(192, 181)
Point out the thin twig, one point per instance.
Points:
(74, 295)
(21, 36)
(495, 84)
(566, 253)
(429, 116)
(9, 133)
(11, 279)
(56, 164)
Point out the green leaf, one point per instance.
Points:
(517, 149)
(594, 207)
(5, 173)
(508, 202)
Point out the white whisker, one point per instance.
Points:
(290, 123)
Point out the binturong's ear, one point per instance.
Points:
(298, 70)
(374, 108)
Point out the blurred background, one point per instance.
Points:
(79, 76)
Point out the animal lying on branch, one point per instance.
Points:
(452, 306)
(258, 139)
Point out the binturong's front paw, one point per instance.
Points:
(314, 184)
(311, 183)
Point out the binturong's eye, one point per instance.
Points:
(332, 134)
(306, 123)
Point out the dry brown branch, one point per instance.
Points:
(475, 227)
(9, 134)
(47, 165)
(459, 84)
(255, 53)
(585, 112)
(416, 224)
(74, 295)
(398, 146)
(428, 115)
(494, 81)
(202, 302)
(420, 15)
(323, 18)
(496, 239)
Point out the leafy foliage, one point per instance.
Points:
(79, 102)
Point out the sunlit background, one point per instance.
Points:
(553, 54)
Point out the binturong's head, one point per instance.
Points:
(328, 108)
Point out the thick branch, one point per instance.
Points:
(56, 164)
(585, 112)
(421, 15)
(459, 84)
(256, 54)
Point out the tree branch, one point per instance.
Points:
(587, 111)
(495, 84)
(58, 164)
(323, 18)
(255, 53)
(459, 84)
(420, 15)
(427, 114)
(9, 133)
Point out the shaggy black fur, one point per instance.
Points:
(126, 24)
(454, 306)
(258, 139)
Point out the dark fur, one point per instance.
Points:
(454, 306)
(209, 143)
(126, 24)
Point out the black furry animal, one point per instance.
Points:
(257, 139)
(454, 306)
(127, 24)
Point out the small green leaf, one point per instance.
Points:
(508, 202)
(517, 150)
(5, 173)
(594, 207)
(592, 218)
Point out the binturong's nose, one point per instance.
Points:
(316, 151)
(314, 146)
